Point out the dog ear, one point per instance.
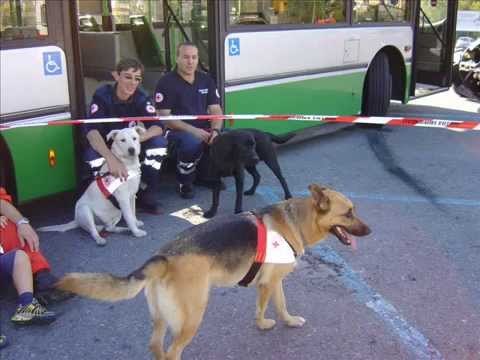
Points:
(322, 201)
(112, 134)
(140, 129)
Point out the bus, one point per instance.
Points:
(332, 57)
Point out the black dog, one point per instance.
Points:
(233, 151)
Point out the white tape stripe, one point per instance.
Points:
(439, 123)
(157, 151)
(96, 162)
(153, 163)
(186, 164)
(372, 120)
(40, 119)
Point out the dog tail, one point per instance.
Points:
(281, 139)
(107, 287)
(62, 228)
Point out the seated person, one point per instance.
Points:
(22, 262)
(122, 99)
(186, 91)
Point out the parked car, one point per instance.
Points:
(466, 72)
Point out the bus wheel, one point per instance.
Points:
(378, 87)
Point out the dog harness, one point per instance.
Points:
(107, 183)
(272, 248)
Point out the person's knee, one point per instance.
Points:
(190, 149)
(21, 259)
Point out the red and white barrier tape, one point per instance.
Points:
(456, 125)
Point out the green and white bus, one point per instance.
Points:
(332, 57)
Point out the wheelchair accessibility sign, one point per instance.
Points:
(52, 63)
(234, 46)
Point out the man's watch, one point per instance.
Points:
(23, 220)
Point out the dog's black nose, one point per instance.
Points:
(131, 151)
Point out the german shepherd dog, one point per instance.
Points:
(220, 252)
(235, 151)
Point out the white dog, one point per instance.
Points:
(94, 202)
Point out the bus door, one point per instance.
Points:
(114, 30)
(434, 38)
(146, 30)
(195, 21)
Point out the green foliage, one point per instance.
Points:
(469, 5)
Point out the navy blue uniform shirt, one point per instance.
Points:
(183, 98)
(106, 104)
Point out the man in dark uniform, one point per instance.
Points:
(186, 91)
(124, 98)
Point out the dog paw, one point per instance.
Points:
(209, 214)
(139, 233)
(101, 241)
(295, 321)
(139, 223)
(266, 324)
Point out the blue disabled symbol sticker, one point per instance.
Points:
(52, 63)
(234, 46)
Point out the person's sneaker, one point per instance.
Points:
(53, 296)
(33, 313)
(185, 191)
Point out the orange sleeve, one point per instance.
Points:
(4, 195)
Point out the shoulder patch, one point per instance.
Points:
(159, 97)
(93, 108)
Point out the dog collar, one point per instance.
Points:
(272, 248)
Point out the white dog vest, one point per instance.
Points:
(108, 183)
(272, 248)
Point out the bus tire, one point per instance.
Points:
(378, 87)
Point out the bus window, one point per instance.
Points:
(23, 19)
(273, 12)
(380, 11)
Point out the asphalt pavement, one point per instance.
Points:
(410, 291)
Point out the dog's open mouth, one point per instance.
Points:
(342, 234)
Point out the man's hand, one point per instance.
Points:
(28, 236)
(117, 168)
(201, 134)
(213, 135)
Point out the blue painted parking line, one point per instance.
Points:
(416, 342)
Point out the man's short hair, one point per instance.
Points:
(125, 64)
(186, 43)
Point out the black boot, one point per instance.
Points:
(147, 198)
